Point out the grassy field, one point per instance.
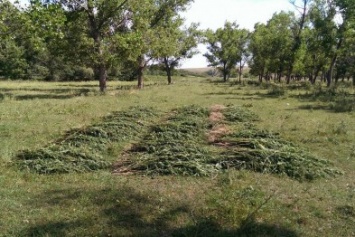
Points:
(133, 202)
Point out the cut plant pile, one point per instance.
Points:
(81, 150)
(265, 152)
(179, 146)
(190, 140)
(176, 146)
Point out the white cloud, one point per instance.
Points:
(213, 14)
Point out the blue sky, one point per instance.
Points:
(213, 13)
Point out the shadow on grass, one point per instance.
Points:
(129, 212)
(44, 93)
(331, 103)
(208, 228)
(220, 93)
(45, 96)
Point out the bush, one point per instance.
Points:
(84, 73)
(276, 90)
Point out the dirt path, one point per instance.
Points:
(218, 129)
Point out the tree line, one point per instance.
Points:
(67, 39)
(317, 41)
(85, 39)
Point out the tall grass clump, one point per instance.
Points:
(84, 149)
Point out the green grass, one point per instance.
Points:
(231, 203)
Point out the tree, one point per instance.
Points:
(271, 46)
(45, 39)
(12, 60)
(181, 45)
(103, 22)
(297, 34)
(347, 12)
(224, 47)
(243, 49)
(259, 48)
(153, 22)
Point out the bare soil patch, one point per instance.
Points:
(218, 129)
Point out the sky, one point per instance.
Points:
(213, 14)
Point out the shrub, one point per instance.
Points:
(84, 73)
(277, 90)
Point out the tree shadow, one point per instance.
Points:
(45, 96)
(45, 90)
(120, 211)
(331, 103)
(209, 228)
(346, 211)
(2, 96)
(127, 211)
(58, 94)
(79, 85)
(219, 93)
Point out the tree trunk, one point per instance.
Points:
(140, 78)
(168, 70)
(329, 75)
(240, 71)
(102, 77)
(141, 67)
(288, 79)
(225, 72)
(334, 59)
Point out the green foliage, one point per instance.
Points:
(226, 47)
(271, 45)
(277, 90)
(81, 150)
(84, 73)
(12, 54)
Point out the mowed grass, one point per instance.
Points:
(231, 203)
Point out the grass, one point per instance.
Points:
(231, 203)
